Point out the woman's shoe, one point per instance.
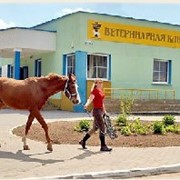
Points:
(83, 144)
(105, 148)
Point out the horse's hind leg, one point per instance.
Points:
(28, 125)
(1, 104)
(45, 127)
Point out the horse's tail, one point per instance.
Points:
(1, 102)
(1, 84)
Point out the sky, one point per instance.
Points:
(19, 14)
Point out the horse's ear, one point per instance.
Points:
(69, 75)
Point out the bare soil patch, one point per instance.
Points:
(62, 132)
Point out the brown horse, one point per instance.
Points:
(32, 93)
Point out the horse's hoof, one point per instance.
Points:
(26, 147)
(49, 147)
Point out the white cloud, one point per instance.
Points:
(70, 11)
(4, 25)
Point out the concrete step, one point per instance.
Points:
(145, 106)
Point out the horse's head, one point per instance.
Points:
(71, 89)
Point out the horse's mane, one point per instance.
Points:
(50, 76)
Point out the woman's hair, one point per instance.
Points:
(97, 80)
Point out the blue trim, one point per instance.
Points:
(80, 72)
(17, 65)
(170, 72)
(109, 76)
(64, 64)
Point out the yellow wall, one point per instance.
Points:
(101, 30)
(56, 102)
(62, 103)
(66, 104)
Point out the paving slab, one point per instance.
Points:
(70, 161)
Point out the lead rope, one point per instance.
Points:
(89, 114)
(108, 126)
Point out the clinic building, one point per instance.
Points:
(127, 53)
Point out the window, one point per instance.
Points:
(97, 66)
(10, 71)
(161, 71)
(0, 71)
(37, 67)
(70, 64)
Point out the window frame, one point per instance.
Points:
(73, 63)
(168, 72)
(107, 67)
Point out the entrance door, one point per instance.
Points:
(24, 72)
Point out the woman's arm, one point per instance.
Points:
(89, 101)
(104, 109)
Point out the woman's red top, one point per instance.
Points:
(98, 98)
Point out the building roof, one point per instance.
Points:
(25, 28)
(104, 14)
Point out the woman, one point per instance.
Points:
(97, 98)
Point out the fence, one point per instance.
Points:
(116, 93)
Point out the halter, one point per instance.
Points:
(67, 91)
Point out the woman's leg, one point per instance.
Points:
(100, 124)
(87, 136)
(103, 143)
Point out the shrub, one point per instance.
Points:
(158, 127)
(83, 125)
(126, 131)
(177, 129)
(168, 120)
(121, 120)
(170, 128)
(126, 104)
(138, 128)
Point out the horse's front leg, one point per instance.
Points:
(28, 125)
(45, 127)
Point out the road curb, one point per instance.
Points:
(120, 174)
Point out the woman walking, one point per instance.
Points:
(97, 98)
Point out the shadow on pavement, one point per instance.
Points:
(19, 155)
(86, 153)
